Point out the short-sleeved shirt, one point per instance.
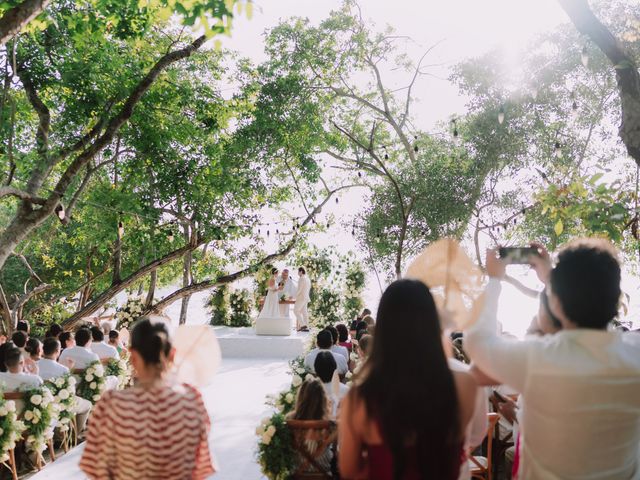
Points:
(156, 433)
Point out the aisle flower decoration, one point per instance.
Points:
(40, 412)
(275, 450)
(63, 390)
(129, 312)
(92, 382)
(120, 368)
(10, 428)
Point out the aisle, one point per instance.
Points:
(236, 404)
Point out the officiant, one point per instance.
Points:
(288, 291)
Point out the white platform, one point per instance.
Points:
(274, 326)
(243, 342)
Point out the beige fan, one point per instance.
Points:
(124, 336)
(198, 354)
(454, 280)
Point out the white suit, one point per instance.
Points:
(302, 300)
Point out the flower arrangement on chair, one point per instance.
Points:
(129, 312)
(119, 368)
(64, 391)
(10, 429)
(40, 411)
(92, 382)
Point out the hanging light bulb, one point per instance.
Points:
(557, 150)
(415, 146)
(60, 212)
(268, 233)
(336, 200)
(328, 224)
(353, 232)
(120, 228)
(584, 57)
(277, 232)
(386, 156)
(360, 174)
(501, 115)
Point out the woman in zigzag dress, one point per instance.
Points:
(157, 429)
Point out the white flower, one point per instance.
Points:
(60, 382)
(88, 377)
(296, 381)
(35, 420)
(96, 398)
(1, 431)
(309, 377)
(349, 375)
(260, 430)
(289, 397)
(89, 371)
(300, 371)
(93, 385)
(72, 381)
(36, 399)
(28, 415)
(4, 411)
(271, 430)
(353, 356)
(99, 371)
(266, 439)
(265, 421)
(63, 394)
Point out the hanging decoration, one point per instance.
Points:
(415, 146)
(60, 212)
(501, 115)
(557, 150)
(584, 57)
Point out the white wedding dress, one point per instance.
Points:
(271, 307)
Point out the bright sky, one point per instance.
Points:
(465, 29)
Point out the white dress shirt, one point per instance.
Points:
(13, 382)
(341, 350)
(580, 392)
(341, 362)
(80, 355)
(104, 350)
(51, 369)
(335, 402)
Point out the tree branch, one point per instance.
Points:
(17, 17)
(21, 194)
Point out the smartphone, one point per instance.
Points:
(517, 255)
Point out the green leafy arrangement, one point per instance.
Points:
(240, 302)
(120, 368)
(92, 382)
(40, 410)
(129, 312)
(218, 306)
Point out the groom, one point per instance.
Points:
(302, 300)
(288, 290)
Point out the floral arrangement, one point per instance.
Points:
(240, 301)
(129, 312)
(39, 413)
(63, 390)
(119, 367)
(10, 428)
(218, 306)
(325, 309)
(354, 282)
(275, 450)
(92, 382)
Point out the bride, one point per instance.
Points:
(271, 307)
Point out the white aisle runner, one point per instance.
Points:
(236, 404)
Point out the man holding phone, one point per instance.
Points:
(579, 387)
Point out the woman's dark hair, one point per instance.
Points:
(97, 335)
(23, 326)
(324, 366)
(365, 344)
(32, 346)
(586, 280)
(19, 338)
(64, 336)
(82, 336)
(54, 330)
(302, 270)
(343, 332)
(151, 340)
(334, 333)
(311, 402)
(114, 334)
(274, 271)
(4, 348)
(407, 386)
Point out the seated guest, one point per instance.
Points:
(3, 350)
(34, 349)
(23, 326)
(99, 347)
(66, 340)
(80, 353)
(50, 369)
(54, 330)
(579, 387)
(343, 337)
(324, 342)
(19, 339)
(354, 324)
(364, 346)
(15, 378)
(325, 365)
(369, 320)
(335, 348)
(114, 341)
(407, 409)
(311, 404)
(128, 433)
(362, 330)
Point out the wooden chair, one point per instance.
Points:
(501, 445)
(12, 454)
(324, 434)
(481, 467)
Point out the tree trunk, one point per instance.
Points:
(186, 274)
(153, 279)
(5, 314)
(18, 17)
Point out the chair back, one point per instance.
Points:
(13, 395)
(320, 435)
(478, 469)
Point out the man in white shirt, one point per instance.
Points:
(81, 354)
(288, 290)
(325, 365)
(100, 347)
(580, 414)
(302, 298)
(335, 348)
(14, 379)
(50, 369)
(324, 342)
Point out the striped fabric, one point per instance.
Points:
(144, 434)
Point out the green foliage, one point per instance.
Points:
(92, 382)
(240, 302)
(121, 369)
(354, 285)
(128, 313)
(218, 305)
(275, 450)
(325, 309)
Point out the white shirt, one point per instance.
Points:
(104, 350)
(335, 402)
(339, 349)
(51, 369)
(13, 382)
(304, 288)
(289, 288)
(341, 362)
(80, 355)
(580, 392)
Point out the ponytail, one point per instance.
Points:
(151, 340)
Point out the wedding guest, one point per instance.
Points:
(312, 404)
(364, 346)
(23, 326)
(583, 369)
(343, 337)
(362, 331)
(335, 348)
(15, 378)
(324, 342)
(114, 341)
(19, 339)
(106, 328)
(128, 433)
(54, 330)
(3, 350)
(66, 340)
(369, 320)
(99, 347)
(366, 312)
(407, 410)
(81, 352)
(34, 349)
(325, 366)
